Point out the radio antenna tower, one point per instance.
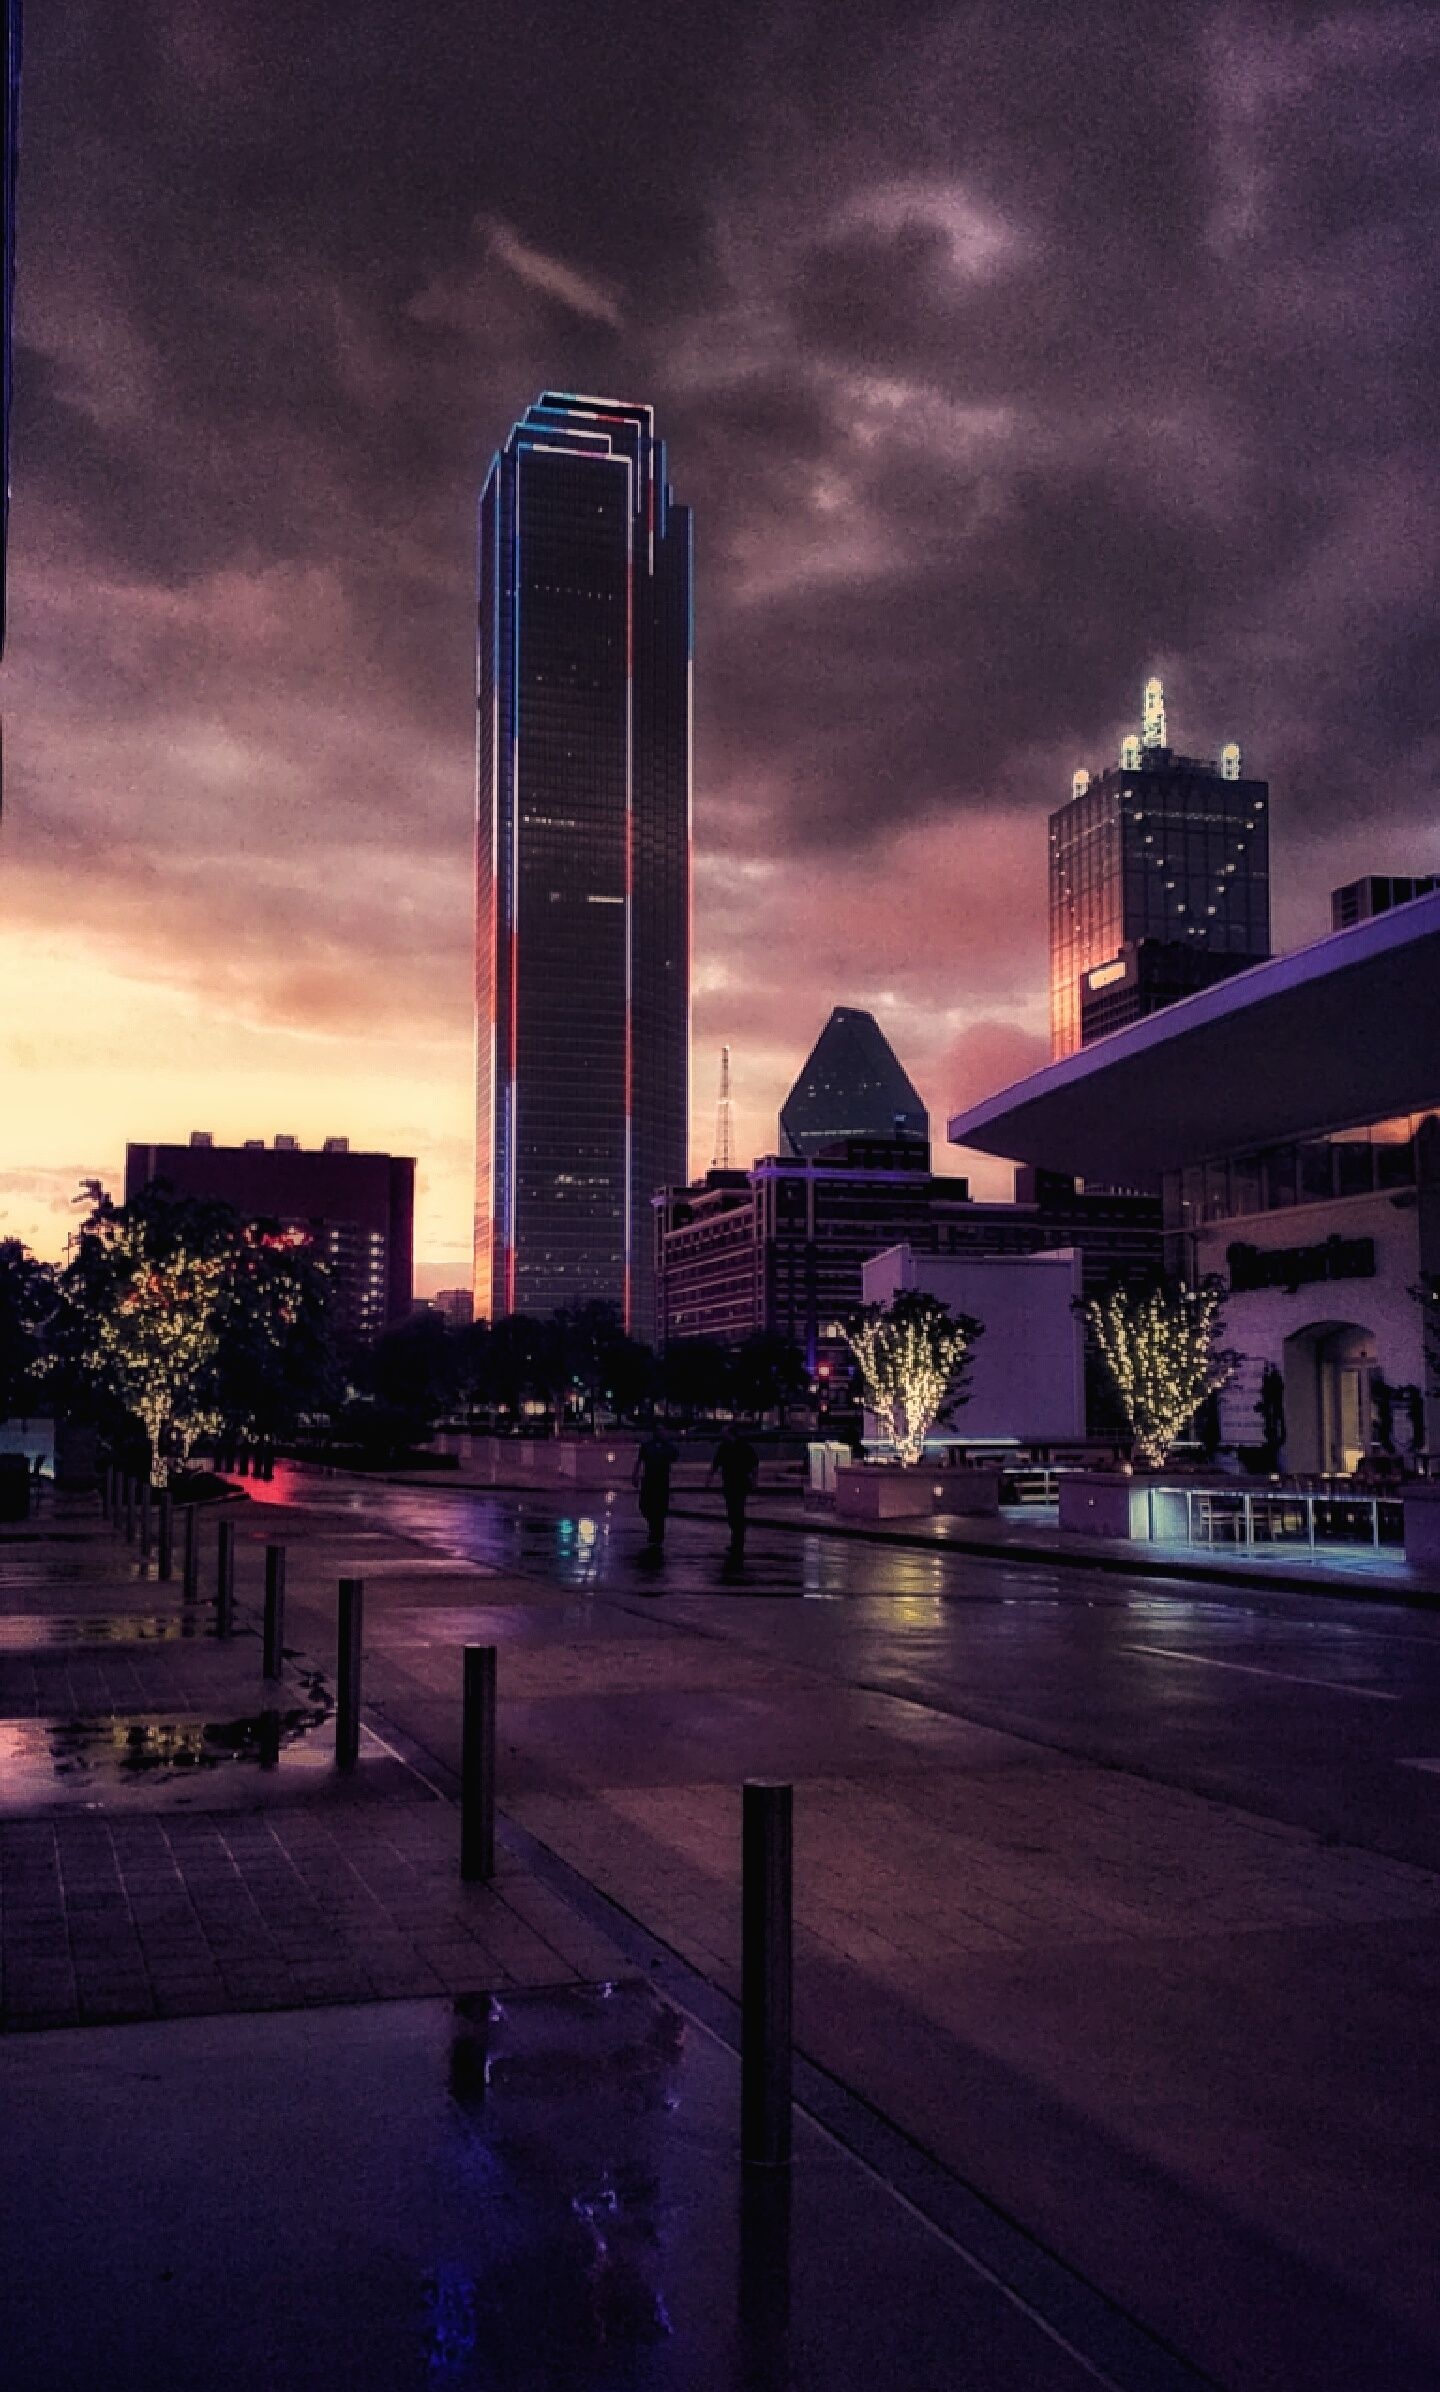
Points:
(724, 1119)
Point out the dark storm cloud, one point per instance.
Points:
(1005, 354)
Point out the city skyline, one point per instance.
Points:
(252, 405)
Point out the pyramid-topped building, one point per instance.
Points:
(852, 1086)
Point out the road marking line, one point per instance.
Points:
(1248, 1669)
(1433, 1767)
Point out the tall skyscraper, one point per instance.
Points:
(1159, 883)
(852, 1086)
(582, 951)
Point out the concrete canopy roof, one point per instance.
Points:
(1338, 1034)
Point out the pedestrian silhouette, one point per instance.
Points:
(738, 1466)
(653, 1464)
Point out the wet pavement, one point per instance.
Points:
(175, 1838)
(530, 2193)
(1118, 1910)
(1119, 1896)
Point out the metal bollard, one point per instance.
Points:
(765, 1973)
(145, 1519)
(477, 1765)
(347, 1676)
(274, 1609)
(165, 1537)
(129, 1509)
(225, 1579)
(190, 1565)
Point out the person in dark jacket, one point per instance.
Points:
(653, 1464)
(738, 1466)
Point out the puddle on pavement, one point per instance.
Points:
(24, 1633)
(40, 1756)
(563, 2095)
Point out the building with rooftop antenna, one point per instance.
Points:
(1159, 882)
(582, 949)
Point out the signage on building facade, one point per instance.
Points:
(1294, 1267)
(1105, 975)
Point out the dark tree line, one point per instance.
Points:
(174, 1324)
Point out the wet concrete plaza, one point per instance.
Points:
(1117, 1946)
(511, 2193)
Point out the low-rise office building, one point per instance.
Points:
(359, 1209)
(783, 1247)
(1292, 1117)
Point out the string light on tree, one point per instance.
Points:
(194, 1322)
(1159, 1348)
(915, 1356)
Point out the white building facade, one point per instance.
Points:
(1027, 1381)
(1291, 1118)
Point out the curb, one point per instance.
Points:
(1116, 1564)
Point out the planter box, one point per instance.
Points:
(1097, 1503)
(913, 1493)
(966, 1493)
(589, 1462)
(862, 1494)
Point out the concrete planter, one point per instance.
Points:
(1098, 1503)
(590, 1462)
(912, 1492)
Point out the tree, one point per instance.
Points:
(599, 1362)
(1158, 1347)
(696, 1375)
(513, 1360)
(28, 1304)
(407, 1381)
(1426, 1294)
(278, 1362)
(1271, 1408)
(769, 1373)
(188, 1321)
(915, 1356)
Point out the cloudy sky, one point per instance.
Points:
(1005, 353)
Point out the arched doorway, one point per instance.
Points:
(1328, 1368)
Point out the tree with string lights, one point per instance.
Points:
(1159, 1347)
(915, 1356)
(185, 1321)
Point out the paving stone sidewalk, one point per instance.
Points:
(155, 1862)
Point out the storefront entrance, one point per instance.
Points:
(1328, 1368)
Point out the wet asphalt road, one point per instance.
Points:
(1323, 1712)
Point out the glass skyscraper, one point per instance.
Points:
(1159, 883)
(582, 968)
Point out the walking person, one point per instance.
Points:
(738, 1465)
(654, 1462)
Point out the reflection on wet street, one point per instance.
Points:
(598, 1541)
(517, 2192)
(95, 1758)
